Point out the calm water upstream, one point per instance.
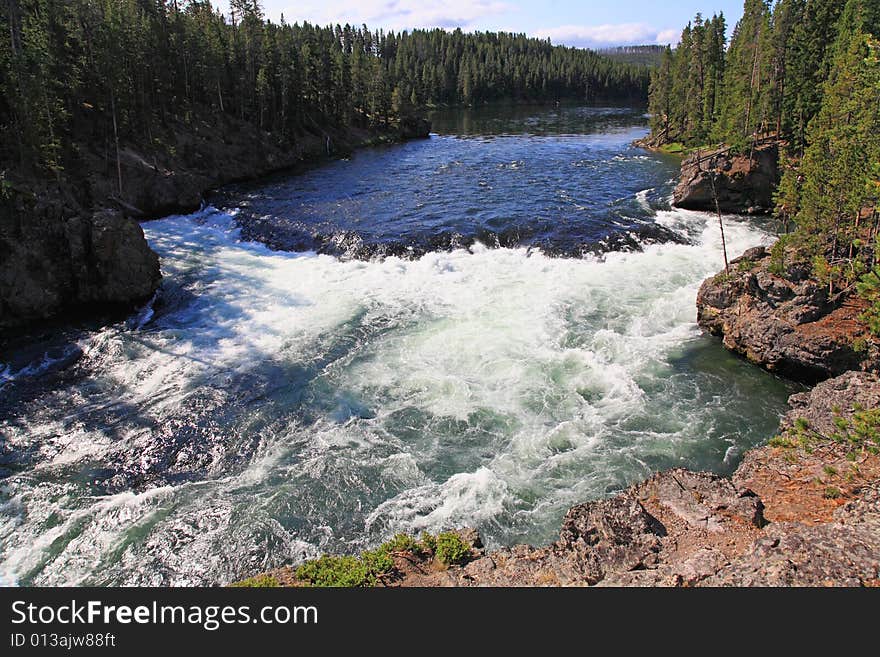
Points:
(479, 329)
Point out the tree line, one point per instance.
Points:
(805, 74)
(128, 66)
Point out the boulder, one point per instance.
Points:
(744, 183)
(51, 261)
(790, 327)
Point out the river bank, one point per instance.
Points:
(72, 244)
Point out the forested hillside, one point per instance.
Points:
(643, 55)
(806, 74)
(74, 69)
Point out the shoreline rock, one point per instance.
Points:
(744, 184)
(788, 327)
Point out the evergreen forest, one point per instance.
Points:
(805, 75)
(71, 69)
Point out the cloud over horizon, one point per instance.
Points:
(469, 15)
(397, 14)
(598, 36)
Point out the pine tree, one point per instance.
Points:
(844, 146)
(661, 97)
(745, 94)
(808, 65)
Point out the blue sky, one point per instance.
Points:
(587, 23)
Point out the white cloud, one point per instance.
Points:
(669, 37)
(389, 14)
(619, 34)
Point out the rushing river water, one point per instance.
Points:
(480, 329)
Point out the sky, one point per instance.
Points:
(581, 23)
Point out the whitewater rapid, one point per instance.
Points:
(270, 406)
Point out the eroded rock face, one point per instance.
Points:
(609, 535)
(702, 500)
(743, 183)
(50, 261)
(841, 395)
(788, 327)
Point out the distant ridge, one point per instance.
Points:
(650, 56)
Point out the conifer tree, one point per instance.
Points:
(745, 93)
(840, 162)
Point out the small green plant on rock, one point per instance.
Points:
(429, 542)
(258, 582)
(336, 571)
(745, 265)
(832, 493)
(862, 430)
(781, 441)
(451, 549)
(860, 345)
(404, 543)
(777, 257)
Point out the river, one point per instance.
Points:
(478, 329)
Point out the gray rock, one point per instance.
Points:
(792, 554)
(743, 185)
(703, 500)
(787, 326)
(609, 535)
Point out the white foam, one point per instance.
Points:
(540, 361)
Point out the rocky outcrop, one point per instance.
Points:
(787, 326)
(743, 183)
(845, 552)
(52, 261)
(71, 244)
(809, 488)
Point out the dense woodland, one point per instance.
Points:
(130, 65)
(806, 74)
(650, 56)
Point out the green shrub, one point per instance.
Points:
(832, 493)
(258, 582)
(334, 571)
(429, 542)
(377, 561)
(403, 543)
(745, 264)
(869, 289)
(451, 549)
(780, 441)
(777, 256)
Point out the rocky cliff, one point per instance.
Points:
(788, 325)
(55, 257)
(743, 183)
(72, 243)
